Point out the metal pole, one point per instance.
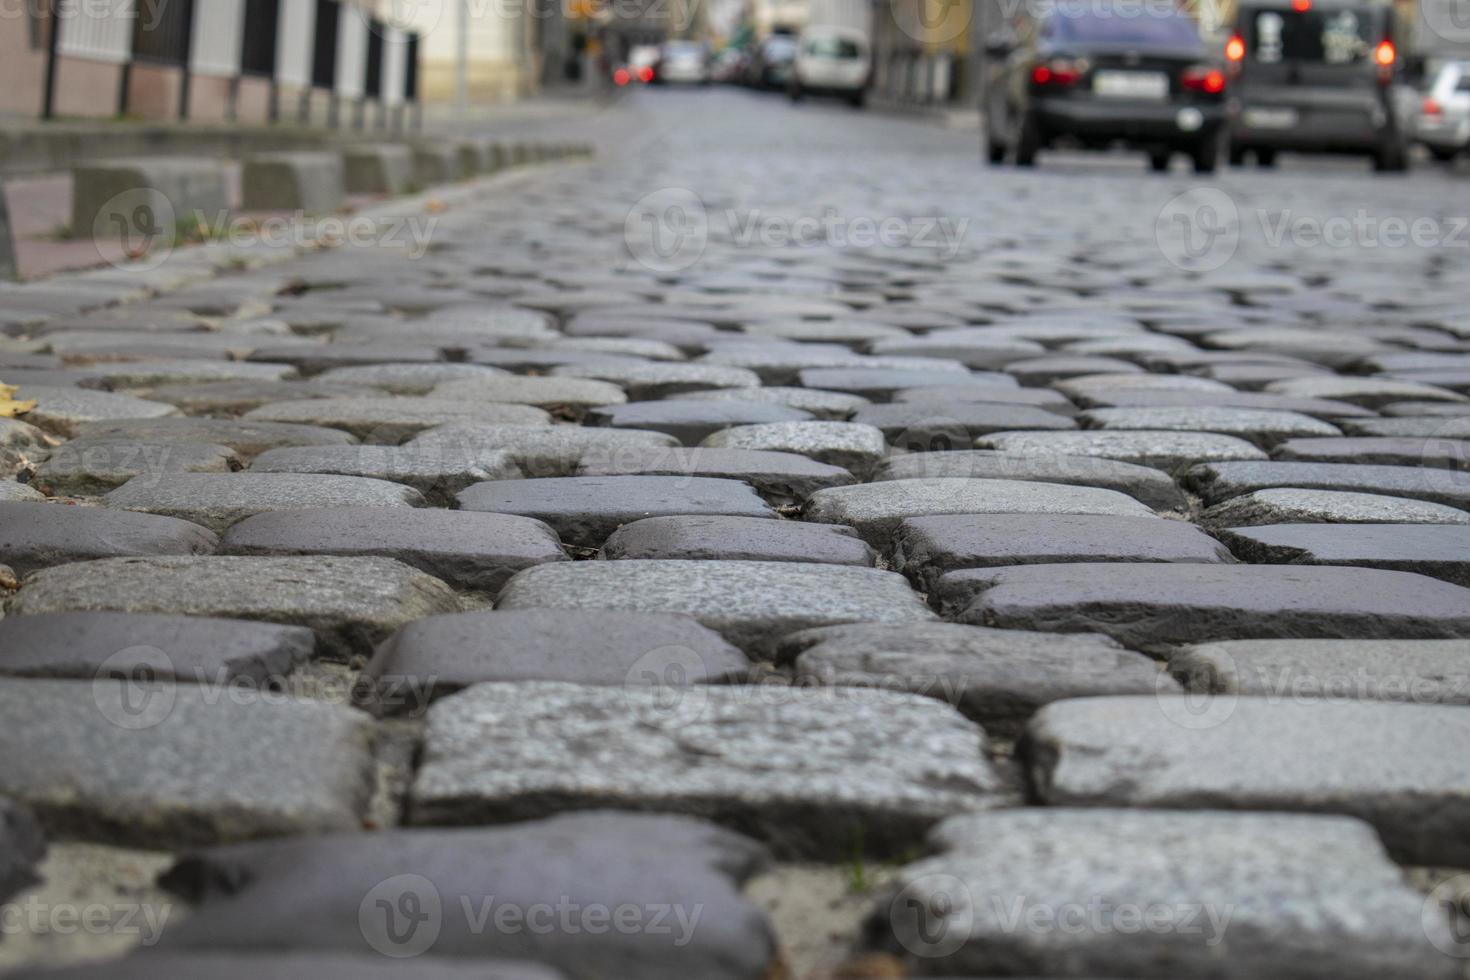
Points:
(462, 61)
(188, 42)
(48, 98)
(7, 243)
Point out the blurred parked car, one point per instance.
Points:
(1443, 125)
(683, 63)
(831, 61)
(729, 65)
(1071, 74)
(770, 66)
(1317, 75)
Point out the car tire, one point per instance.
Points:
(995, 152)
(1391, 157)
(1266, 159)
(1206, 155)
(1236, 155)
(1158, 161)
(1028, 139)
(857, 99)
(1443, 154)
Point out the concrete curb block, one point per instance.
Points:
(378, 168)
(436, 163)
(481, 156)
(114, 191)
(293, 182)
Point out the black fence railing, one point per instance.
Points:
(258, 43)
(324, 53)
(159, 34)
(411, 70)
(372, 82)
(161, 31)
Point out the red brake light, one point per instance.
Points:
(1058, 72)
(1430, 107)
(1235, 48)
(1385, 54)
(621, 77)
(1301, 6)
(1201, 79)
(645, 74)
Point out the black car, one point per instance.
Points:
(1091, 77)
(1317, 75)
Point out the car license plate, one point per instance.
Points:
(1131, 84)
(1267, 118)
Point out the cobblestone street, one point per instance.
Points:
(778, 545)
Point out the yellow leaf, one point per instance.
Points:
(9, 407)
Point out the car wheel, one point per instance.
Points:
(1158, 160)
(1206, 155)
(1391, 157)
(1028, 139)
(1266, 158)
(994, 152)
(1236, 155)
(1442, 154)
(857, 99)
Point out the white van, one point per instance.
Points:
(832, 61)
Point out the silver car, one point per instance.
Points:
(1443, 123)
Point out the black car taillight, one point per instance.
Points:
(1059, 72)
(1203, 78)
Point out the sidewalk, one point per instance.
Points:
(35, 159)
(44, 243)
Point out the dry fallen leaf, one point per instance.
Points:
(9, 407)
(435, 206)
